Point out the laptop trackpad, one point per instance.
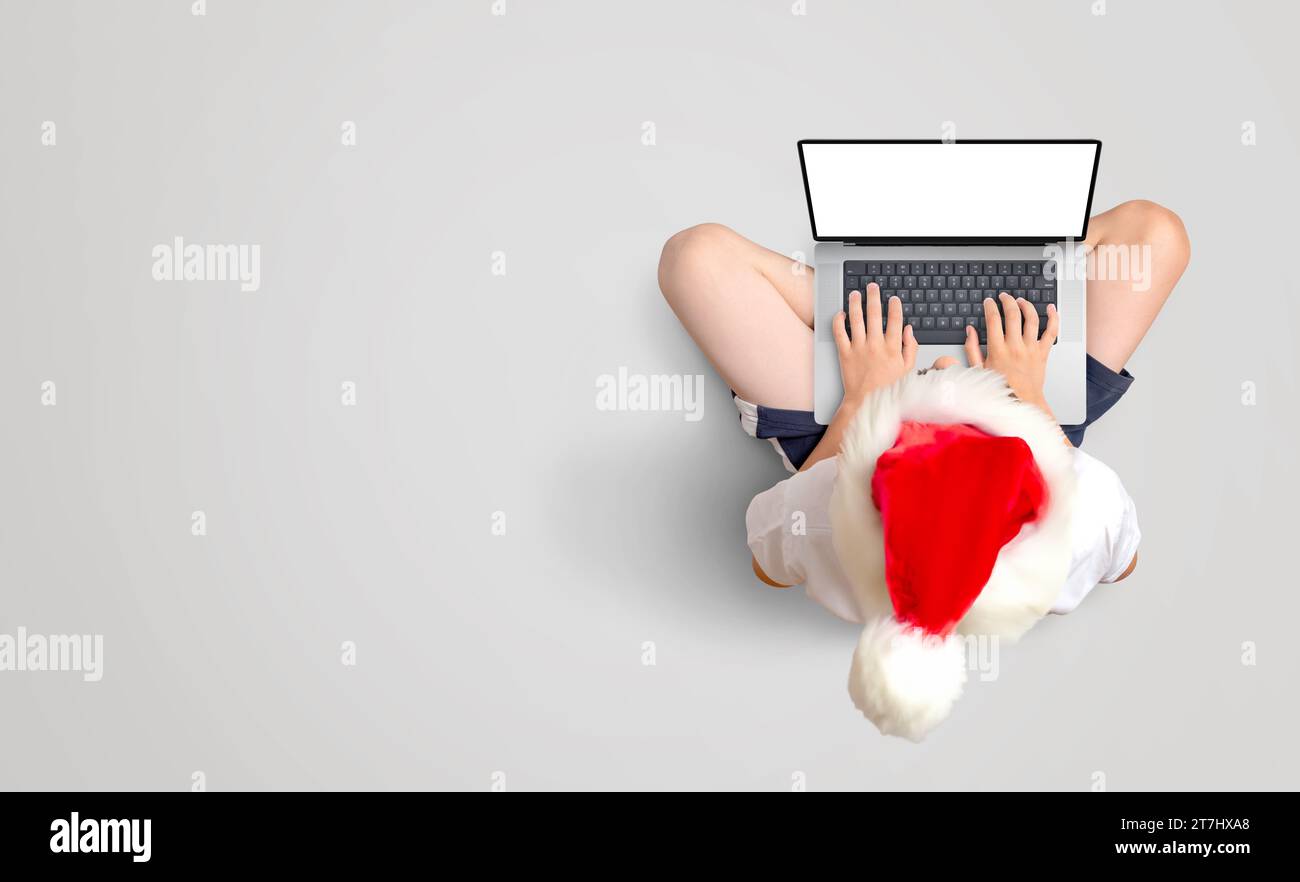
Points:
(927, 353)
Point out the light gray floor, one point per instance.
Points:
(522, 654)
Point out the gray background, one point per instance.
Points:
(522, 653)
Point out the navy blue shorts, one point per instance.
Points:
(794, 433)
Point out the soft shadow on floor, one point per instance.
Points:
(669, 528)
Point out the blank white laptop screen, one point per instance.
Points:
(956, 190)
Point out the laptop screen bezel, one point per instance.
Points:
(949, 240)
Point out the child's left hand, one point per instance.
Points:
(875, 357)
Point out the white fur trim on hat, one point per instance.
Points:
(1030, 569)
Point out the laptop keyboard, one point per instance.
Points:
(940, 298)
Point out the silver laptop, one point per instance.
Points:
(944, 224)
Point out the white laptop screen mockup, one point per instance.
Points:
(934, 191)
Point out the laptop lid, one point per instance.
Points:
(949, 192)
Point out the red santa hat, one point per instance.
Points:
(950, 516)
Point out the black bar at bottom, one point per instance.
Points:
(334, 831)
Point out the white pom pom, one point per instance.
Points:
(904, 680)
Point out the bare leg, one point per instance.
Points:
(750, 310)
(1121, 311)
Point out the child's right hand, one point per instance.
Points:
(1014, 349)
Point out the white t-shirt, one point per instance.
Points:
(1104, 535)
